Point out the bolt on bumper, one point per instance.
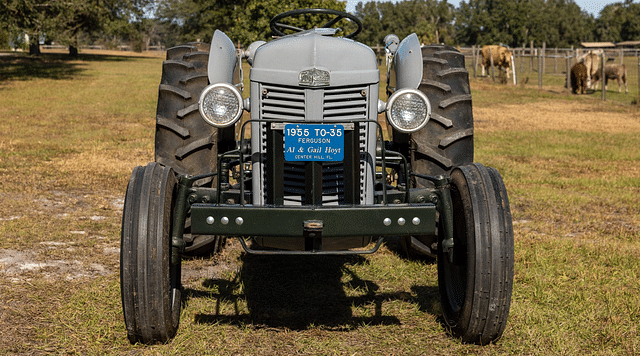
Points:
(374, 220)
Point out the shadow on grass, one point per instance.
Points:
(301, 292)
(23, 67)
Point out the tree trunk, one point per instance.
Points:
(34, 47)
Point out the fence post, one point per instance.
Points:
(603, 77)
(522, 57)
(555, 61)
(475, 60)
(569, 73)
(544, 57)
(540, 66)
(531, 52)
(621, 56)
(513, 70)
(493, 74)
(638, 73)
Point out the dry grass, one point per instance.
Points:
(548, 115)
(74, 129)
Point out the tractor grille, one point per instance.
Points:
(295, 104)
(332, 183)
(345, 104)
(282, 103)
(338, 104)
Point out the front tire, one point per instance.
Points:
(149, 283)
(475, 288)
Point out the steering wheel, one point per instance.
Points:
(278, 27)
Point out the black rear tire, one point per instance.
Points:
(447, 139)
(184, 141)
(149, 283)
(475, 288)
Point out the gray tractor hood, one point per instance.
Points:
(282, 61)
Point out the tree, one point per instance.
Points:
(371, 18)
(245, 21)
(257, 14)
(64, 20)
(631, 26)
(619, 22)
(442, 18)
(573, 24)
(73, 18)
(431, 20)
(471, 22)
(558, 23)
(30, 17)
(122, 20)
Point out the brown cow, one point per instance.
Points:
(612, 71)
(501, 58)
(578, 78)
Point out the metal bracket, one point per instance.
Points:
(445, 208)
(288, 252)
(185, 183)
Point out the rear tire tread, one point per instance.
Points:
(441, 120)
(442, 160)
(186, 111)
(452, 71)
(439, 85)
(173, 126)
(193, 77)
(459, 135)
(179, 64)
(428, 60)
(194, 146)
(185, 95)
(184, 76)
(454, 100)
(447, 139)
(184, 141)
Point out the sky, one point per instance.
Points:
(591, 6)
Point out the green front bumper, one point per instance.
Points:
(328, 221)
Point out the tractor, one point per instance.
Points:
(310, 170)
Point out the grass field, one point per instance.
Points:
(72, 131)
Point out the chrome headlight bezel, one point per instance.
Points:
(235, 106)
(423, 115)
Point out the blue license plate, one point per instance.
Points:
(304, 142)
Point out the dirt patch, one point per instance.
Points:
(19, 266)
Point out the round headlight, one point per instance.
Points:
(220, 104)
(408, 110)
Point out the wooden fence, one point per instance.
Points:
(552, 66)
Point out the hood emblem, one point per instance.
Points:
(314, 78)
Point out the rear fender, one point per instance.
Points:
(406, 67)
(223, 60)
